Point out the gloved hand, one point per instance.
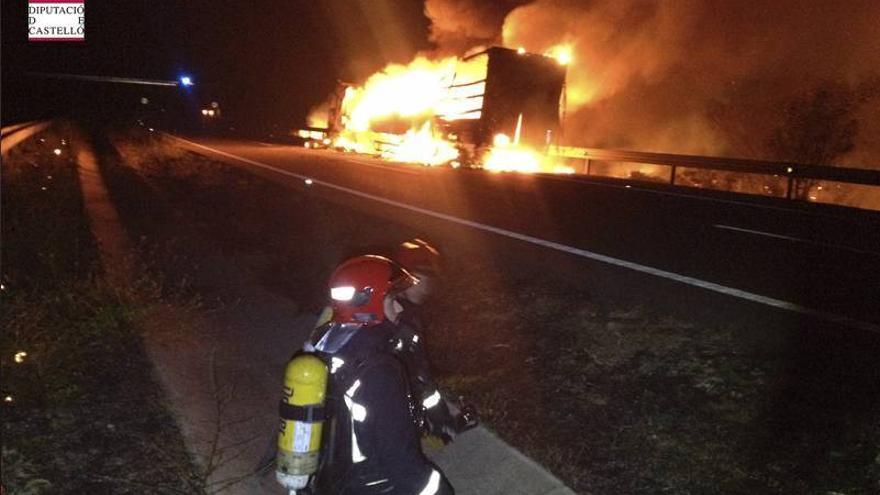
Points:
(467, 418)
(440, 423)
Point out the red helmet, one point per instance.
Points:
(358, 288)
(417, 255)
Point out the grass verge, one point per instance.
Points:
(81, 412)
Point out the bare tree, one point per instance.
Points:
(819, 127)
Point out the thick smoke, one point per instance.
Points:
(717, 78)
(458, 25)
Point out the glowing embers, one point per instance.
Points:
(508, 156)
(512, 159)
(354, 143)
(421, 146)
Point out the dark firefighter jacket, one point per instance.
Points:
(411, 350)
(372, 445)
(434, 415)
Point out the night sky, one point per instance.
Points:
(266, 61)
(702, 77)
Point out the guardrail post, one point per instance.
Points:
(587, 166)
(672, 177)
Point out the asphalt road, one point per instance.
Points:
(716, 253)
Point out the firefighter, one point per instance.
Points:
(419, 258)
(372, 444)
(433, 414)
(424, 262)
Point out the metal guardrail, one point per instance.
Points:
(791, 171)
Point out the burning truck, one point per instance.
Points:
(497, 108)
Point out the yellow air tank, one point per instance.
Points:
(302, 419)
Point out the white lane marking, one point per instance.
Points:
(684, 279)
(793, 239)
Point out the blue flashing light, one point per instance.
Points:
(186, 81)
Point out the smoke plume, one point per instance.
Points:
(458, 25)
(690, 76)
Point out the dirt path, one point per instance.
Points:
(115, 249)
(222, 383)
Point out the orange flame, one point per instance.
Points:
(397, 114)
(422, 147)
(412, 91)
(510, 156)
(513, 159)
(411, 97)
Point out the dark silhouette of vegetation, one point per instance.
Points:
(820, 127)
